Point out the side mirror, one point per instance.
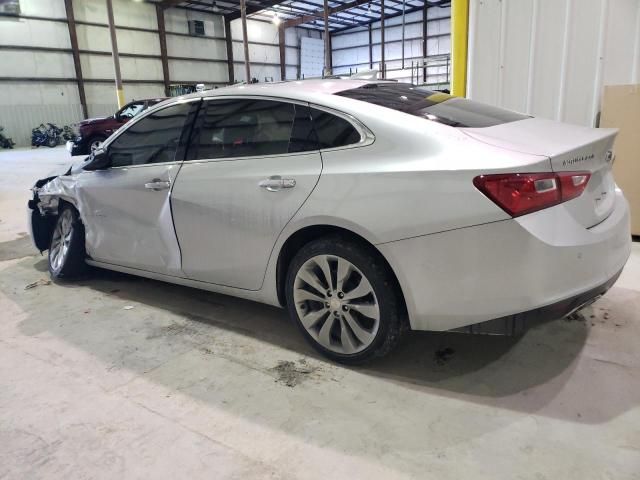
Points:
(99, 160)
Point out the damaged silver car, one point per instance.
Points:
(365, 208)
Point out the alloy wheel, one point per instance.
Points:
(336, 304)
(61, 239)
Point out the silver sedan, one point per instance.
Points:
(365, 208)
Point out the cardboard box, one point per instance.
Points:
(621, 109)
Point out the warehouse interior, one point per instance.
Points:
(118, 376)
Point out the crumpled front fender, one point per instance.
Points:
(43, 207)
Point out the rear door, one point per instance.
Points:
(251, 165)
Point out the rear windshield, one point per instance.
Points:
(436, 106)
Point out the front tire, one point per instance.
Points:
(343, 298)
(95, 142)
(67, 251)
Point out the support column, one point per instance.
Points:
(229, 42)
(245, 40)
(114, 53)
(330, 54)
(283, 52)
(459, 46)
(370, 49)
(73, 37)
(162, 34)
(382, 61)
(327, 41)
(404, 6)
(425, 22)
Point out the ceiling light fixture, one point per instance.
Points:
(276, 18)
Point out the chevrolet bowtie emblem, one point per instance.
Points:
(609, 157)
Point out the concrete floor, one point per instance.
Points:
(189, 384)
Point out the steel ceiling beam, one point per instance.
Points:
(343, 16)
(282, 9)
(364, 24)
(320, 13)
(254, 8)
(170, 3)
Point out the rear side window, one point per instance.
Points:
(333, 131)
(242, 128)
(303, 135)
(154, 139)
(435, 106)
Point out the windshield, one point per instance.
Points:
(436, 106)
(132, 110)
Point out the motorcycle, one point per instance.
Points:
(5, 142)
(68, 134)
(49, 135)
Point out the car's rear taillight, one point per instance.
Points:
(522, 193)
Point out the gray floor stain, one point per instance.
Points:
(18, 248)
(290, 374)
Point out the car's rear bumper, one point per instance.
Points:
(520, 322)
(543, 262)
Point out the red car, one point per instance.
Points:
(93, 131)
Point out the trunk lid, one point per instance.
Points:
(570, 148)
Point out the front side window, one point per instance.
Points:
(244, 128)
(435, 106)
(153, 139)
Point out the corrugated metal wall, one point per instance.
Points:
(551, 58)
(37, 75)
(350, 49)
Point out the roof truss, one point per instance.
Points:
(343, 14)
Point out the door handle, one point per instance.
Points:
(276, 183)
(156, 185)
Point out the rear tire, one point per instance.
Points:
(67, 250)
(352, 317)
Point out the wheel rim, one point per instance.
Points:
(61, 240)
(336, 304)
(95, 144)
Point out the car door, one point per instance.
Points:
(125, 208)
(251, 165)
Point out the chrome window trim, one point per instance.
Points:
(126, 167)
(255, 97)
(252, 157)
(366, 136)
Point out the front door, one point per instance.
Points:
(125, 208)
(252, 164)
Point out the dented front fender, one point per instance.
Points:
(43, 207)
